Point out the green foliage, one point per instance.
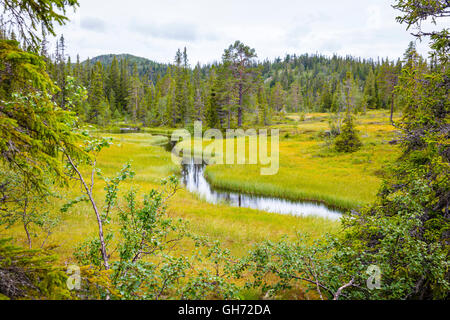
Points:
(76, 96)
(32, 129)
(396, 235)
(112, 188)
(144, 229)
(147, 232)
(405, 232)
(278, 266)
(98, 106)
(348, 141)
(392, 235)
(371, 91)
(30, 274)
(33, 132)
(29, 17)
(65, 208)
(146, 268)
(236, 91)
(212, 284)
(89, 253)
(144, 66)
(239, 58)
(23, 204)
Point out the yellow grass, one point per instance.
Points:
(236, 228)
(308, 170)
(311, 170)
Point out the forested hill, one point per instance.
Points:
(319, 77)
(145, 67)
(239, 89)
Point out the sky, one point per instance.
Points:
(156, 29)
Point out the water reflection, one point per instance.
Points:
(195, 182)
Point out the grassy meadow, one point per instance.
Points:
(236, 228)
(309, 169)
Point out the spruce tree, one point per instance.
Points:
(199, 101)
(113, 85)
(212, 117)
(122, 96)
(264, 116)
(33, 130)
(98, 105)
(278, 97)
(348, 140)
(134, 95)
(370, 91)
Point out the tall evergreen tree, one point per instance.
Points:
(239, 58)
(135, 94)
(370, 91)
(98, 106)
(113, 86)
(278, 98)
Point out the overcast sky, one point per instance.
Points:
(155, 29)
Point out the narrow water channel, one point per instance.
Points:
(195, 182)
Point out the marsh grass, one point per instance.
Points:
(237, 228)
(310, 169)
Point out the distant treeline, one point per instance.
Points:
(237, 91)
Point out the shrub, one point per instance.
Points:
(348, 141)
(30, 274)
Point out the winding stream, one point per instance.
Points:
(195, 182)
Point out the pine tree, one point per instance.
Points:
(99, 110)
(227, 95)
(113, 85)
(386, 82)
(337, 108)
(295, 98)
(370, 91)
(239, 58)
(349, 93)
(34, 19)
(155, 114)
(326, 98)
(61, 71)
(145, 114)
(199, 96)
(180, 110)
(297, 83)
(211, 114)
(348, 141)
(26, 144)
(135, 94)
(264, 116)
(278, 98)
(122, 97)
(212, 117)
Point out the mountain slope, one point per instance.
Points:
(145, 66)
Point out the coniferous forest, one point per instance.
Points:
(93, 205)
(142, 92)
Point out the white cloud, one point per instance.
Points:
(93, 24)
(374, 18)
(156, 29)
